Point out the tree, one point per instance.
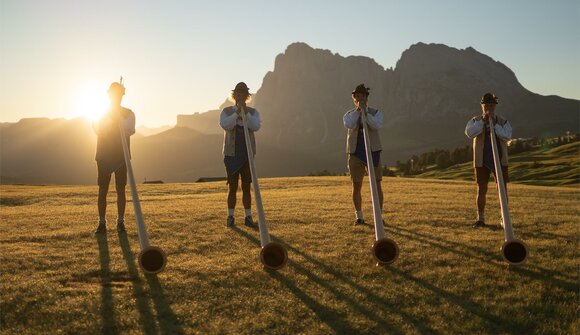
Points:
(443, 160)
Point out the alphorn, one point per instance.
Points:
(152, 259)
(273, 255)
(385, 250)
(513, 251)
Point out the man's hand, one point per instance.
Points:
(486, 116)
(241, 105)
(361, 106)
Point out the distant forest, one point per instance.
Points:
(442, 158)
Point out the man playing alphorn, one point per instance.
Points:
(235, 151)
(355, 146)
(110, 158)
(478, 129)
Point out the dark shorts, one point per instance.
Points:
(482, 174)
(244, 172)
(104, 174)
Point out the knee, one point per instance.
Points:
(356, 188)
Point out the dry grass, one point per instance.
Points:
(58, 277)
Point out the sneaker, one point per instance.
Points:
(121, 226)
(230, 221)
(359, 222)
(479, 224)
(101, 229)
(249, 222)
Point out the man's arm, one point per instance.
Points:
(228, 122)
(129, 124)
(473, 128)
(350, 119)
(375, 121)
(503, 132)
(254, 121)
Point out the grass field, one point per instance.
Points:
(559, 166)
(57, 277)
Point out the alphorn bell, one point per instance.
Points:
(151, 259)
(385, 250)
(513, 251)
(273, 255)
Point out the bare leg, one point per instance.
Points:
(102, 200)
(246, 195)
(121, 200)
(356, 195)
(233, 188)
(481, 194)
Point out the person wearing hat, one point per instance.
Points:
(355, 146)
(110, 158)
(235, 151)
(478, 129)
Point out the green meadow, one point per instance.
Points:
(559, 166)
(58, 277)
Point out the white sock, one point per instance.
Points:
(359, 215)
(230, 211)
(248, 211)
(102, 220)
(481, 216)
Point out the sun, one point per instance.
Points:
(91, 101)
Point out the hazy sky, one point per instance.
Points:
(181, 57)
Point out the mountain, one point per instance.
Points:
(426, 100)
(147, 131)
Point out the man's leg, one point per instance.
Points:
(103, 180)
(121, 202)
(481, 199)
(102, 201)
(356, 195)
(232, 190)
(246, 195)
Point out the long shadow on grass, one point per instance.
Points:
(497, 324)
(486, 256)
(107, 308)
(167, 319)
(327, 315)
(420, 325)
(145, 315)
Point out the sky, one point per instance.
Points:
(58, 57)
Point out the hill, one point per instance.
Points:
(58, 277)
(548, 167)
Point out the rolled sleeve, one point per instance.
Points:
(350, 119)
(228, 122)
(375, 121)
(473, 128)
(254, 122)
(503, 132)
(129, 124)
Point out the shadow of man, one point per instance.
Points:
(109, 325)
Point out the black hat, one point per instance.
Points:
(241, 87)
(116, 87)
(361, 89)
(489, 98)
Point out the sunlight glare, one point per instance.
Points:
(91, 101)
